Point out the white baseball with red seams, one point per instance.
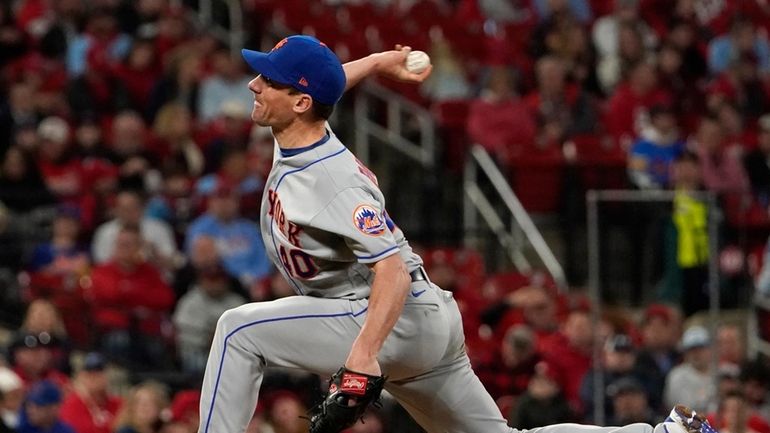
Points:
(417, 61)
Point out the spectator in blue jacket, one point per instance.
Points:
(40, 413)
(652, 155)
(238, 240)
(741, 40)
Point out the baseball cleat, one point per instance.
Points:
(689, 420)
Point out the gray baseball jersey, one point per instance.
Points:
(323, 222)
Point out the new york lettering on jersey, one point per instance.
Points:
(324, 221)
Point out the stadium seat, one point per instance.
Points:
(452, 118)
(599, 166)
(537, 177)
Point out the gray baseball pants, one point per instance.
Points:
(424, 358)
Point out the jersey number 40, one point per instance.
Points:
(297, 263)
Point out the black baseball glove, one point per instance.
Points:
(350, 393)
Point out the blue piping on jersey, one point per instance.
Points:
(297, 150)
(378, 254)
(297, 287)
(258, 322)
(307, 165)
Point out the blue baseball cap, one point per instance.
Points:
(302, 62)
(44, 393)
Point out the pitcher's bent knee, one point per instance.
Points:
(232, 319)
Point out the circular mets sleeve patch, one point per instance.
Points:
(368, 221)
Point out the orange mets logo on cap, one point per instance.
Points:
(280, 43)
(303, 82)
(367, 221)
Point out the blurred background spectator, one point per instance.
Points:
(41, 410)
(157, 242)
(652, 155)
(497, 107)
(238, 240)
(198, 310)
(629, 402)
(21, 185)
(734, 415)
(143, 409)
(131, 304)
(543, 403)
(619, 363)
(756, 162)
(33, 359)
(11, 398)
(90, 407)
(226, 83)
(690, 380)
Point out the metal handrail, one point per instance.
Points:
(391, 133)
(479, 158)
(236, 33)
(495, 223)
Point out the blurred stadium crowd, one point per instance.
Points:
(131, 176)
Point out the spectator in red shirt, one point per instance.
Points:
(173, 30)
(139, 72)
(32, 358)
(61, 172)
(184, 410)
(627, 107)
(64, 174)
(89, 408)
(735, 415)
(236, 174)
(561, 109)
(492, 113)
(572, 358)
(131, 303)
(755, 381)
(91, 58)
(130, 151)
(519, 357)
(532, 305)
